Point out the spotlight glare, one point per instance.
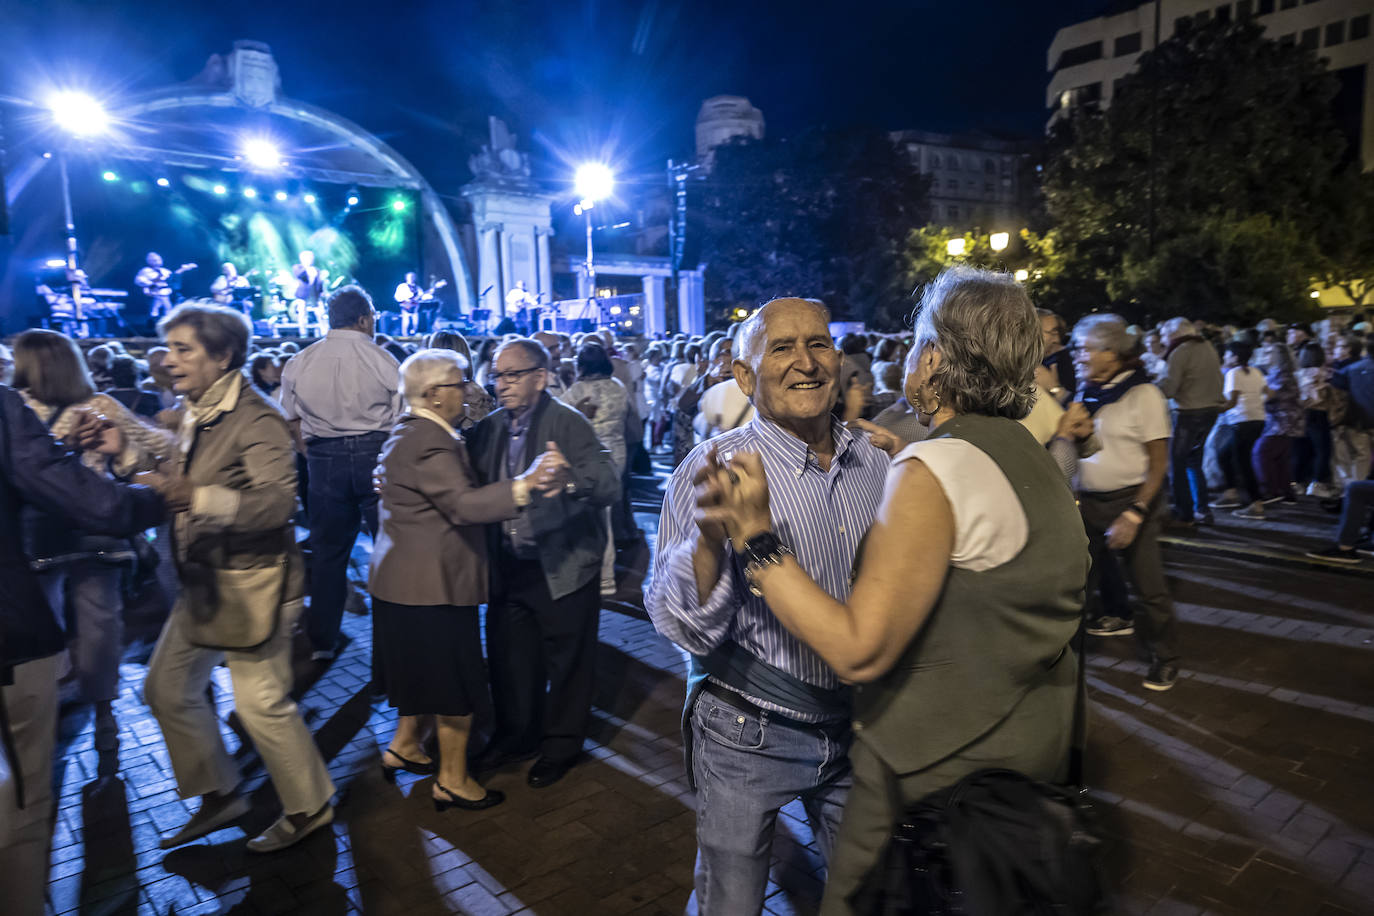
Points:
(594, 181)
(163, 183)
(1022, 275)
(109, 176)
(353, 200)
(261, 153)
(77, 113)
(280, 195)
(55, 262)
(250, 193)
(220, 189)
(999, 240)
(398, 205)
(956, 247)
(309, 198)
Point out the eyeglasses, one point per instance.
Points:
(512, 375)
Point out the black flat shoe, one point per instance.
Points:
(410, 766)
(493, 798)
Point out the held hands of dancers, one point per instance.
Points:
(95, 432)
(550, 472)
(176, 490)
(732, 497)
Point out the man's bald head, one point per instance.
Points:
(753, 332)
(550, 342)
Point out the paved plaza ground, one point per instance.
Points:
(1247, 789)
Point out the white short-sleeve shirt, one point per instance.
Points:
(990, 527)
(1248, 385)
(1123, 428)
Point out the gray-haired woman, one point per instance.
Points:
(971, 582)
(1120, 490)
(234, 496)
(429, 573)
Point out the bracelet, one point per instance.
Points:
(759, 551)
(1142, 511)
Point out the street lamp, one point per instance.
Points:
(592, 182)
(79, 115)
(956, 247)
(999, 241)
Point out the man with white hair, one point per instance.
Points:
(1192, 383)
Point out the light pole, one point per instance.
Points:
(80, 116)
(593, 182)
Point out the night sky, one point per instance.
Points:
(573, 79)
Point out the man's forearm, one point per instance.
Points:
(707, 558)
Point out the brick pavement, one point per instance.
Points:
(1246, 789)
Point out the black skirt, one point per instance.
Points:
(429, 658)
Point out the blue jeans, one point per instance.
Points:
(747, 766)
(1359, 502)
(341, 500)
(1191, 428)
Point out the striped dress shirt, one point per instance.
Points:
(820, 515)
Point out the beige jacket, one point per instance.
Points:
(431, 549)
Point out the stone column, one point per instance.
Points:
(507, 281)
(655, 315)
(545, 266)
(487, 271)
(691, 303)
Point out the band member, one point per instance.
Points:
(230, 286)
(309, 289)
(159, 284)
(523, 307)
(408, 296)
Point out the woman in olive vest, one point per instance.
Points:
(971, 581)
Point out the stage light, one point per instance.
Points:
(280, 195)
(52, 263)
(77, 113)
(615, 310)
(48, 155)
(594, 181)
(109, 176)
(163, 183)
(398, 205)
(353, 197)
(309, 198)
(999, 240)
(261, 153)
(250, 193)
(220, 189)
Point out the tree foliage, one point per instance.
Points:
(821, 214)
(1199, 189)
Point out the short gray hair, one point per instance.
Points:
(533, 348)
(751, 333)
(1105, 331)
(424, 369)
(987, 333)
(1175, 326)
(221, 330)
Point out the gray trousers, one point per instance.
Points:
(1144, 566)
(89, 596)
(175, 691)
(26, 832)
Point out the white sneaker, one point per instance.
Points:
(282, 834)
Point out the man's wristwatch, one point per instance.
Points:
(759, 551)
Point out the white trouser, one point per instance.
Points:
(175, 691)
(1349, 455)
(26, 832)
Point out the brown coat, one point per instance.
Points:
(431, 549)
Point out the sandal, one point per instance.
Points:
(493, 798)
(426, 768)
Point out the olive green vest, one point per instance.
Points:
(992, 635)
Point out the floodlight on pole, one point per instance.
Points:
(999, 241)
(261, 153)
(593, 181)
(78, 113)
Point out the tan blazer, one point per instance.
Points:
(432, 545)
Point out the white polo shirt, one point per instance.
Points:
(1123, 428)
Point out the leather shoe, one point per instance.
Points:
(493, 758)
(547, 771)
(213, 814)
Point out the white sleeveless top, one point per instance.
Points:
(990, 527)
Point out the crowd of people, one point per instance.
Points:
(856, 537)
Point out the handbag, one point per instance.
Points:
(235, 610)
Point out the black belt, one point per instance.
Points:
(741, 702)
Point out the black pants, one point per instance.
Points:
(1312, 453)
(534, 640)
(1234, 456)
(1144, 567)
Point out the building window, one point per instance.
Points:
(989, 167)
(1288, 4)
(1080, 55)
(954, 162)
(1182, 24)
(1264, 7)
(1126, 44)
(972, 186)
(1224, 13)
(989, 188)
(1202, 18)
(951, 184)
(935, 161)
(1311, 39)
(1006, 165)
(1287, 41)
(953, 212)
(1117, 86)
(1335, 33)
(1359, 27)
(1245, 9)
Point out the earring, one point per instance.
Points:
(934, 410)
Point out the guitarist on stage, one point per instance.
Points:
(159, 284)
(410, 298)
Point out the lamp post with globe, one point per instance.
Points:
(592, 182)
